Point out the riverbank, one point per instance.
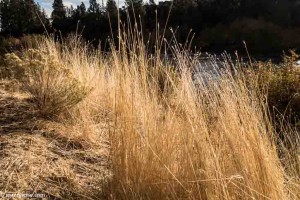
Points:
(144, 122)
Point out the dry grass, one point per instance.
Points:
(169, 137)
(37, 158)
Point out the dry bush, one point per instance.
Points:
(169, 137)
(284, 88)
(50, 81)
(279, 85)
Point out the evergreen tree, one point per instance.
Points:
(135, 7)
(111, 8)
(21, 16)
(59, 19)
(44, 18)
(5, 15)
(15, 21)
(81, 9)
(152, 2)
(112, 13)
(79, 12)
(29, 20)
(59, 11)
(151, 11)
(94, 7)
(70, 11)
(136, 11)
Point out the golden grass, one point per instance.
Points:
(169, 137)
(37, 157)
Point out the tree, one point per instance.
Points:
(44, 18)
(135, 8)
(94, 7)
(15, 21)
(152, 2)
(59, 18)
(21, 16)
(112, 9)
(151, 12)
(81, 9)
(59, 11)
(30, 13)
(112, 14)
(185, 16)
(5, 15)
(79, 12)
(70, 11)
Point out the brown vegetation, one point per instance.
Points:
(168, 138)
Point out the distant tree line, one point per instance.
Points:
(266, 25)
(18, 17)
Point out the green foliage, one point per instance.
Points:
(22, 16)
(268, 26)
(59, 11)
(58, 15)
(94, 7)
(80, 11)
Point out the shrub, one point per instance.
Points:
(282, 84)
(50, 81)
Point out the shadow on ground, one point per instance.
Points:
(17, 115)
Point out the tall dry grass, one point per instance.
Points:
(172, 134)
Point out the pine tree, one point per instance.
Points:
(111, 8)
(79, 12)
(59, 18)
(44, 18)
(29, 16)
(152, 2)
(70, 11)
(135, 7)
(82, 9)
(14, 26)
(59, 11)
(5, 16)
(21, 16)
(94, 7)
(112, 13)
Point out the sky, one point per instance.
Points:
(47, 4)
